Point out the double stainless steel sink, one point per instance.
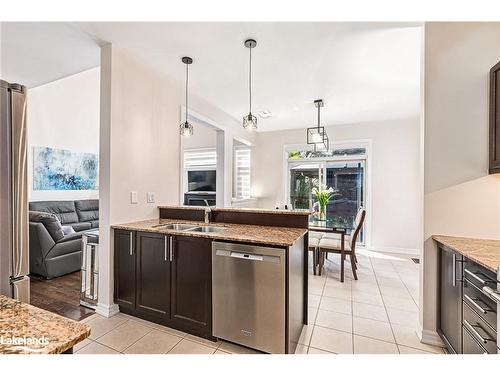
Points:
(191, 228)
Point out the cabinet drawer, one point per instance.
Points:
(479, 302)
(470, 345)
(482, 332)
(478, 275)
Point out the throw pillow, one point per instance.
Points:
(50, 222)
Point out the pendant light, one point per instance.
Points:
(250, 121)
(186, 128)
(316, 135)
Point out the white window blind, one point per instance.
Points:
(242, 160)
(205, 158)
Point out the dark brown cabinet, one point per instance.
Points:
(191, 284)
(494, 134)
(165, 279)
(450, 294)
(125, 268)
(153, 274)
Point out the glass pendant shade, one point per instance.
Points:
(250, 122)
(186, 129)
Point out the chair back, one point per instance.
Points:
(358, 224)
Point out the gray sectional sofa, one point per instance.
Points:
(55, 230)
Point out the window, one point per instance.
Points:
(242, 161)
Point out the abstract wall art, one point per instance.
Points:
(56, 169)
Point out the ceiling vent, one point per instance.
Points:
(265, 113)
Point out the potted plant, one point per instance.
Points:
(323, 195)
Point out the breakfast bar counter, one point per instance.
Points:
(25, 329)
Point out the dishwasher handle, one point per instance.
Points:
(236, 254)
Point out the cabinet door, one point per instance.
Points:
(153, 274)
(125, 268)
(494, 149)
(451, 299)
(191, 283)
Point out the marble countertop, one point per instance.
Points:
(483, 252)
(250, 210)
(36, 331)
(258, 234)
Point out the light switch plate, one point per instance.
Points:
(151, 196)
(133, 197)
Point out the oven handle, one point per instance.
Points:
(472, 330)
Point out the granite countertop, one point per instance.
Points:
(243, 209)
(21, 321)
(483, 252)
(258, 234)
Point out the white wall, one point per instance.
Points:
(461, 199)
(140, 147)
(394, 176)
(64, 114)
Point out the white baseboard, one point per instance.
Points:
(107, 310)
(394, 250)
(429, 337)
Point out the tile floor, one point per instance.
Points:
(376, 314)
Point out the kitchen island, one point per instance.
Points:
(26, 329)
(163, 268)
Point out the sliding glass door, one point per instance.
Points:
(345, 174)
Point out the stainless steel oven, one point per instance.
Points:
(248, 295)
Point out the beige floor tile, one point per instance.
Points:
(390, 282)
(81, 345)
(101, 325)
(313, 300)
(365, 345)
(301, 349)
(407, 318)
(305, 336)
(408, 350)
(408, 337)
(363, 286)
(191, 347)
(155, 342)
(312, 313)
(237, 349)
(335, 283)
(218, 351)
(318, 351)
(157, 326)
(89, 318)
(339, 321)
(368, 311)
(316, 288)
(400, 292)
(336, 305)
(199, 340)
(124, 335)
(406, 304)
(371, 298)
(373, 328)
(96, 348)
(332, 340)
(331, 291)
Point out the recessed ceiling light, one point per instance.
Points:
(265, 113)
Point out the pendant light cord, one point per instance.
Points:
(319, 122)
(250, 80)
(187, 77)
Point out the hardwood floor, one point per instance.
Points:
(60, 295)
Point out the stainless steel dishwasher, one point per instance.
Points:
(248, 295)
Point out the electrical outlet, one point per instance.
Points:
(133, 197)
(151, 196)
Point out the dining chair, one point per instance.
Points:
(342, 244)
(314, 238)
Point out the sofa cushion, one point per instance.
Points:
(68, 229)
(50, 222)
(87, 209)
(95, 223)
(78, 227)
(64, 210)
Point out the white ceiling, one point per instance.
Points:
(363, 71)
